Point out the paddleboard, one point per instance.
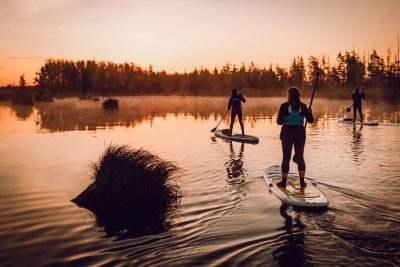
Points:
(294, 194)
(236, 137)
(350, 121)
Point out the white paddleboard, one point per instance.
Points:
(350, 121)
(236, 137)
(294, 194)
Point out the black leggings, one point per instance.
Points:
(233, 115)
(287, 144)
(355, 108)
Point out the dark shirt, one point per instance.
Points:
(357, 99)
(284, 111)
(236, 103)
(293, 131)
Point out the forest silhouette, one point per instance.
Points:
(91, 77)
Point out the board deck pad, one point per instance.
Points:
(293, 188)
(236, 137)
(293, 193)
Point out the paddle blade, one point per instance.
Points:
(348, 109)
(213, 129)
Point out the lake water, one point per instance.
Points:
(227, 215)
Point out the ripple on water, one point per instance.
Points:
(227, 216)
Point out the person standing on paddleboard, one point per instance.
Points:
(291, 115)
(357, 105)
(235, 103)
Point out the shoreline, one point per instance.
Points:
(375, 94)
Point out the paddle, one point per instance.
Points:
(313, 92)
(309, 106)
(214, 129)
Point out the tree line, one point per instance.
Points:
(349, 70)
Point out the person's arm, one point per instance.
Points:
(307, 113)
(242, 98)
(279, 120)
(229, 104)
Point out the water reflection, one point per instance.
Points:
(234, 166)
(221, 222)
(22, 112)
(357, 146)
(291, 252)
(135, 223)
(72, 114)
(233, 154)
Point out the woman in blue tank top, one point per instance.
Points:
(291, 115)
(235, 103)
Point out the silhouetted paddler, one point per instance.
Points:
(291, 115)
(357, 103)
(235, 104)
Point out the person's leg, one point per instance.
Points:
(354, 113)
(299, 144)
(284, 179)
(361, 115)
(233, 115)
(241, 122)
(287, 144)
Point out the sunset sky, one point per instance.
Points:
(178, 35)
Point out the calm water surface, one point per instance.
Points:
(227, 216)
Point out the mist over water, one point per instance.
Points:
(227, 216)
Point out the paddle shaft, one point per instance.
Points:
(309, 106)
(221, 120)
(312, 96)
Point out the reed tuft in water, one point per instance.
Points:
(125, 178)
(110, 104)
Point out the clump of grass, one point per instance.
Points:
(124, 179)
(110, 104)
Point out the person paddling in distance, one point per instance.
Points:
(291, 115)
(235, 104)
(357, 104)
